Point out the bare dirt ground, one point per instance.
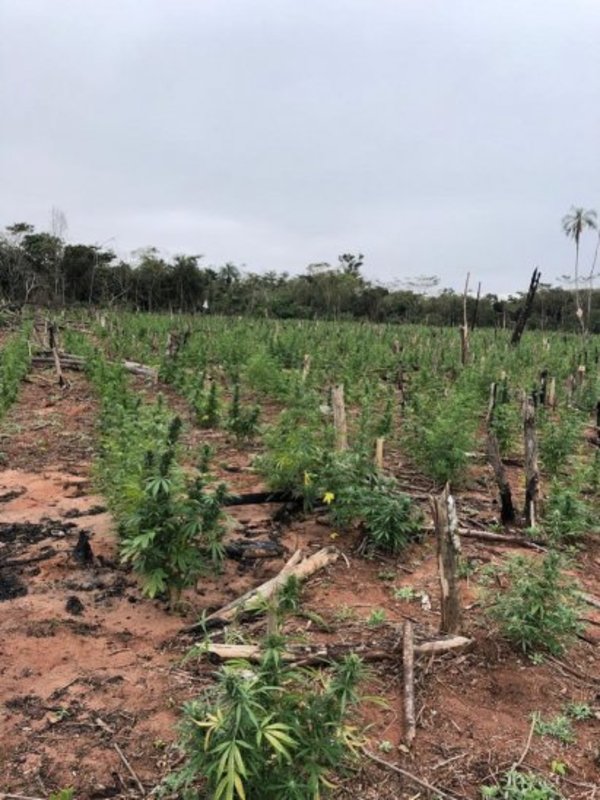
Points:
(88, 666)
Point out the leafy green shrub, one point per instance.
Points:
(505, 424)
(441, 432)
(243, 422)
(356, 492)
(566, 515)
(295, 448)
(270, 732)
(207, 405)
(174, 528)
(558, 727)
(558, 440)
(580, 711)
(14, 365)
(517, 785)
(538, 611)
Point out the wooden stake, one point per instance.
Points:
(532, 474)
(379, 452)
(448, 552)
(464, 328)
(339, 418)
(306, 367)
(491, 403)
(408, 664)
(551, 394)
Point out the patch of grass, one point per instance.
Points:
(406, 593)
(376, 618)
(517, 785)
(559, 727)
(579, 711)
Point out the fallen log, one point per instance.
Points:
(257, 498)
(294, 566)
(591, 600)
(140, 369)
(77, 363)
(23, 562)
(319, 654)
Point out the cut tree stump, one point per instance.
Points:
(448, 552)
(339, 418)
(507, 509)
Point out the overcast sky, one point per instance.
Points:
(434, 136)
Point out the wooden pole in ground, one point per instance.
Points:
(408, 668)
(464, 328)
(339, 417)
(379, 452)
(532, 473)
(448, 553)
(305, 367)
(551, 393)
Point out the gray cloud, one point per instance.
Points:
(433, 136)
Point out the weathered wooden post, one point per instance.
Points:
(464, 328)
(448, 552)
(532, 473)
(408, 669)
(551, 393)
(305, 367)
(339, 417)
(379, 442)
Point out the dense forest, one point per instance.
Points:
(42, 268)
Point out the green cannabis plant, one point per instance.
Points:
(539, 609)
(271, 731)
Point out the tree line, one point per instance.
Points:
(39, 267)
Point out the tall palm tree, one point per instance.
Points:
(573, 224)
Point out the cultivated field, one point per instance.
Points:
(155, 468)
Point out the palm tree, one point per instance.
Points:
(573, 224)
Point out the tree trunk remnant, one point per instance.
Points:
(527, 308)
(408, 664)
(507, 509)
(532, 474)
(476, 309)
(448, 552)
(339, 418)
(464, 328)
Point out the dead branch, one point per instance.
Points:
(294, 566)
(130, 769)
(527, 308)
(436, 791)
(324, 654)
